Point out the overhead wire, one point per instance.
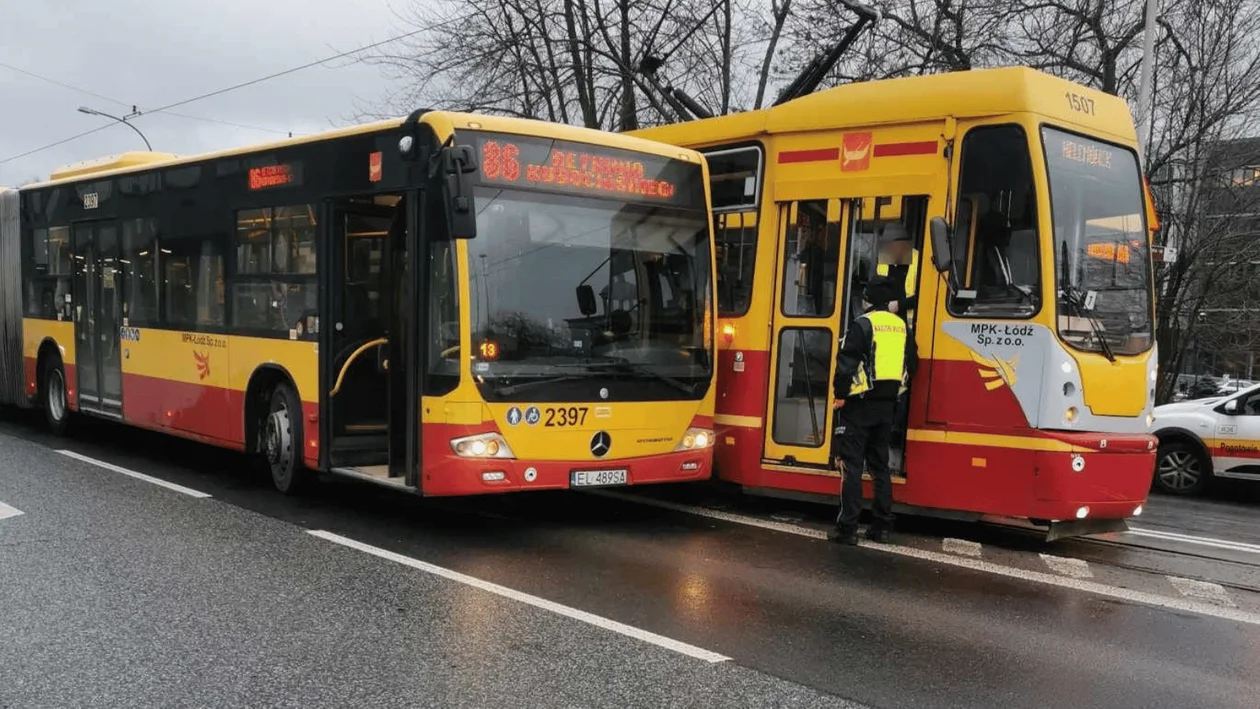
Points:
(209, 94)
(137, 113)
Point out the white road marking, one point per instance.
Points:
(1184, 604)
(131, 473)
(1190, 539)
(7, 511)
(1076, 568)
(559, 609)
(1203, 590)
(962, 547)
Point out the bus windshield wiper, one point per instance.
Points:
(643, 371)
(510, 389)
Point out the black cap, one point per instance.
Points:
(893, 231)
(880, 291)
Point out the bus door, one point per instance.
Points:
(358, 330)
(805, 330)
(864, 259)
(98, 317)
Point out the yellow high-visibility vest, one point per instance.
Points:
(887, 359)
(911, 275)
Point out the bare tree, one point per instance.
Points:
(1207, 97)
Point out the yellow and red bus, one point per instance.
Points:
(451, 304)
(1034, 318)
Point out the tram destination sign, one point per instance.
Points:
(587, 170)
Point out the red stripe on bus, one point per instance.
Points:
(816, 155)
(892, 150)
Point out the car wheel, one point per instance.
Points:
(1181, 468)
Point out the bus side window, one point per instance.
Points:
(995, 242)
(140, 266)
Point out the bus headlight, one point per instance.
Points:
(482, 445)
(695, 439)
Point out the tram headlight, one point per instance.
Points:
(482, 445)
(695, 439)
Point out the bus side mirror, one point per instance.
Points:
(942, 257)
(586, 300)
(459, 164)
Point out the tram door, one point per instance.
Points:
(805, 330)
(862, 261)
(97, 317)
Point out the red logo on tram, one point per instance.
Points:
(855, 151)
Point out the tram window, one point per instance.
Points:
(735, 177)
(139, 237)
(736, 236)
(802, 384)
(812, 250)
(995, 241)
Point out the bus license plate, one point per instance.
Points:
(597, 478)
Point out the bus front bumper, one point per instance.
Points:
(452, 475)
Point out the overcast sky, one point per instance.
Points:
(154, 52)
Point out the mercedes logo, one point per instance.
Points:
(600, 443)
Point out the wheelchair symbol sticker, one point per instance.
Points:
(532, 415)
(513, 416)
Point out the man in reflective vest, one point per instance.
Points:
(876, 358)
(899, 260)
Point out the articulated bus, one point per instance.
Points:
(1034, 319)
(449, 304)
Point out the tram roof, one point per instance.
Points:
(963, 94)
(138, 161)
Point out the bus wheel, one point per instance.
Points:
(56, 404)
(282, 437)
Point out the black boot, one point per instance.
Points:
(879, 535)
(840, 535)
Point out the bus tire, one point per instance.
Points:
(282, 440)
(54, 397)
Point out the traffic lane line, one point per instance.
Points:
(1075, 568)
(1191, 539)
(7, 511)
(1187, 604)
(1203, 590)
(133, 474)
(526, 598)
(961, 547)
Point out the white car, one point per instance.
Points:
(1202, 438)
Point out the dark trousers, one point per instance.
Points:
(861, 435)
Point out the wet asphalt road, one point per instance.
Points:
(118, 592)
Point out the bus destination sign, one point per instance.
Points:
(269, 176)
(587, 170)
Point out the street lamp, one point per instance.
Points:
(122, 120)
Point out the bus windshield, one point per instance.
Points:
(1101, 251)
(575, 298)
